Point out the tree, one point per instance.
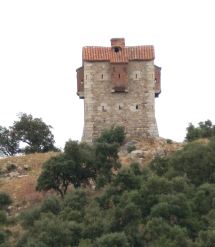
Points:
(35, 133)
(74, 167)
(56, 175)
(106, 162)
(116, 134)
(203, 130)
(51, 231)
(116, 239)
(9, 144)
(81, 164)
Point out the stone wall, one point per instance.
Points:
(133, 109)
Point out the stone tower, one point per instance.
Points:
(119, 85)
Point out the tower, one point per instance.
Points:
(119, 85)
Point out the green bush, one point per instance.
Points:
(76, 199)
(169, 141)
(51, 204)
(113, 240)
(131, 148)
(2, 237)
(5, 200)
(115, 134)
(3, 217)
(30, 216)
(203, 130)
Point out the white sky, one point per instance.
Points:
(40, 49)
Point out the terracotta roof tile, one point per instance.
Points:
(95, 53)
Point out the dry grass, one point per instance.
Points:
(22, 188)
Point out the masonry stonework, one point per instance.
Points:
(119, 89)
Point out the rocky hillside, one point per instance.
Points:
(18, 175)
(145, 150)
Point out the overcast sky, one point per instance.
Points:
(41, 43)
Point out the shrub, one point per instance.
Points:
(113, 240)
(2, 237)
(203, 130)
(30, 216)
(5, 200)
(3, 217)
(169, 141)
(131, 148)
(114, 135)
(51, 204)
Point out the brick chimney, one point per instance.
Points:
(117, 43)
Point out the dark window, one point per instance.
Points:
(119, 75)
(136, 76)
(120, 107)
(102, 76)
(137, 107)
(116, 49)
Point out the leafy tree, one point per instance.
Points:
(205, 198)
(195, 161)
(73, 167)
(117, 239)
(76, 199)
(116, 134)
(3, 217)
(51, 231)
(206, 238)
(30, 216)
(80, 164)
(106, 161)
(56, 175)
(51, 204)
(5, 200)
(2, 237)
(204, 130)
(9, 144)
(159, 233)
(35, 133)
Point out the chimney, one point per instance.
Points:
(117, 43)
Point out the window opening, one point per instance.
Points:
(116, 49)
(120, 107)
(137, 107)
(102, 76)
(119, 75)
(136, 76)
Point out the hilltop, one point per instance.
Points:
(18, 175)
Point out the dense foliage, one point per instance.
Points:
(203, 130)
(32, 132)
(82, 164)
(5, 201)
(170, 203)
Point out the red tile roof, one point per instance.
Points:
(125, 54)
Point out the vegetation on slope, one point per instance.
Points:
(168, 203)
